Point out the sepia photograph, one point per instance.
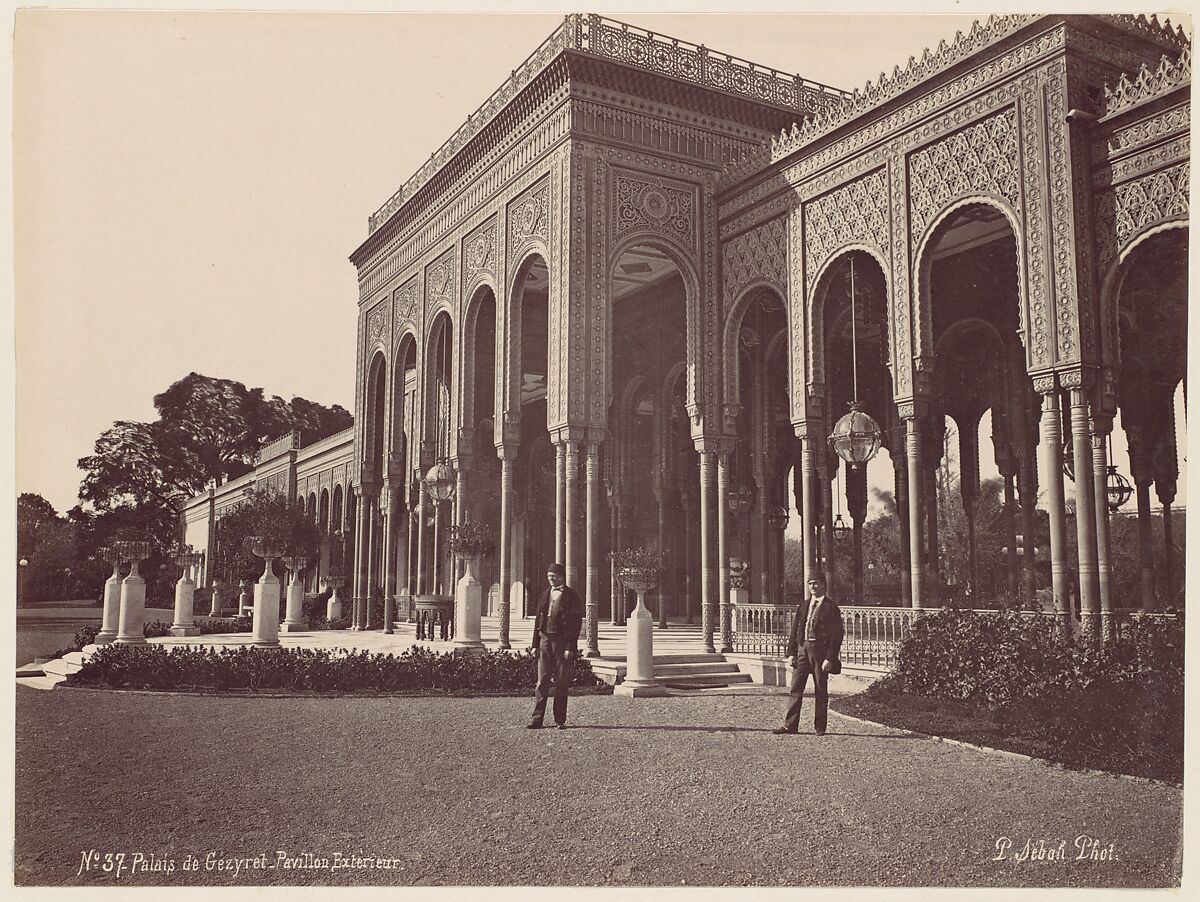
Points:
(599, 449)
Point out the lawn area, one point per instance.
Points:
(667, 791)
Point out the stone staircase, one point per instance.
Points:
(678, 671)
(49, 674)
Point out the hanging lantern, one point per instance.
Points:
(739, 497)
(1118, 489)
(856, 437)
(439, 482)
(778, 518)
(840, 529)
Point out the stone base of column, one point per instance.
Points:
(640, 689)
(265, 643)
(474, 646)
(590, 653)
(105, 638)
(289, 626)
(129, 640)
(182, 631)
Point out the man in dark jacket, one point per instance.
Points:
(556, 643)
(814, 647)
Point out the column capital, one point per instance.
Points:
(1077, 378)
(596, 436)
(569, 435)
(916, 408)
(507, 451)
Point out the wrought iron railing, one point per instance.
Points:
(762, 629)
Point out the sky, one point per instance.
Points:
(188, 186)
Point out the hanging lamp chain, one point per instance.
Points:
(853, 332)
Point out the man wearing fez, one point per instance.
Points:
(814, 647)
(556, 644)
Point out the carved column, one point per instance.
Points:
(915, 511)
(1085, 512)
(507, 454)
(900, 482)
(808, 471)
(827, 464)
(592, 599)
(422, 515)
(571, 545)
(1007, 467)
(1052, 464)
(708, 603)
(560, 503)
(391, 516)
(1139, 464)
(1100, 427)
(1027, 486)
(1166, 474)
(856, 503)
(360, 557)
(372, 560)
(968, 483)
(723, 548)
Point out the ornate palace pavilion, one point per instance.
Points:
(630, 297)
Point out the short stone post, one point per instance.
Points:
(739, 593)
(185, 596)
(639, 638)
(112, 597)
(468, 600)
(218, 603)
(266, 593)
(333, 607)
(245, 599)
(133, 595)
(294, 621)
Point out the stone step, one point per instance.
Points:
(31, 670)
(49, 681)
(60, 667)
(685, 669)
(703, 679)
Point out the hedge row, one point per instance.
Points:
(1116, 706)
(157, 666)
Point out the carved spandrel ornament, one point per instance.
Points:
(981, 158)
(439, 280)
(760, 254)
(479, 251)
(405, 302)
(645, 203)
(378, 321)
(529, 219)
(855, 212)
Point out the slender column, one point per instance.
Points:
(723, 548)
(592, 598)
(1100, 428)
(371, 560)
(915, 512)
(560, 502)
(1085, 514)
(437, 548)
(616, 595)
(828, 544)
(685, 505)
(421, 542)
(968, 483)
(1166, 472)
(808, 470)
(461, 513)
(1139, 466)
(933, 561)
(709, 586)
(900, 480)
(360, 560)
(1027, 486)
(507, 456)
(570, 511)
(660, 492)
(856, 503)
(1051, 446)
(391, 515)
(1010, 535)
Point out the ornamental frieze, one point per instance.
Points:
(644, 203)
(529, 219)
(981, 158)
(1131, 208)
(758, 254)
(855, 212)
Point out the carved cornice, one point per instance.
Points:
(1148, 84)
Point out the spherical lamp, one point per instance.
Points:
(856, 437)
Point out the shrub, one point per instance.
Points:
(1118, 706)
(158, 666)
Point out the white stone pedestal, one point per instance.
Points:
(217, 602)
(639, 654)
(468, 600)
(133, 608)
(294, 622)
(110, 621)
(245, 600)
(266, 608)
(333, 607)
(185, 597)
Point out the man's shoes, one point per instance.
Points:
(560, 726)
(534, 725)
(783, 731)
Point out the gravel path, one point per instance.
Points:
(661, 791)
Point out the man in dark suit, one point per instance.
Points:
(814, 647)
(556, 644)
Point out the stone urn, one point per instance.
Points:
(639, 636)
